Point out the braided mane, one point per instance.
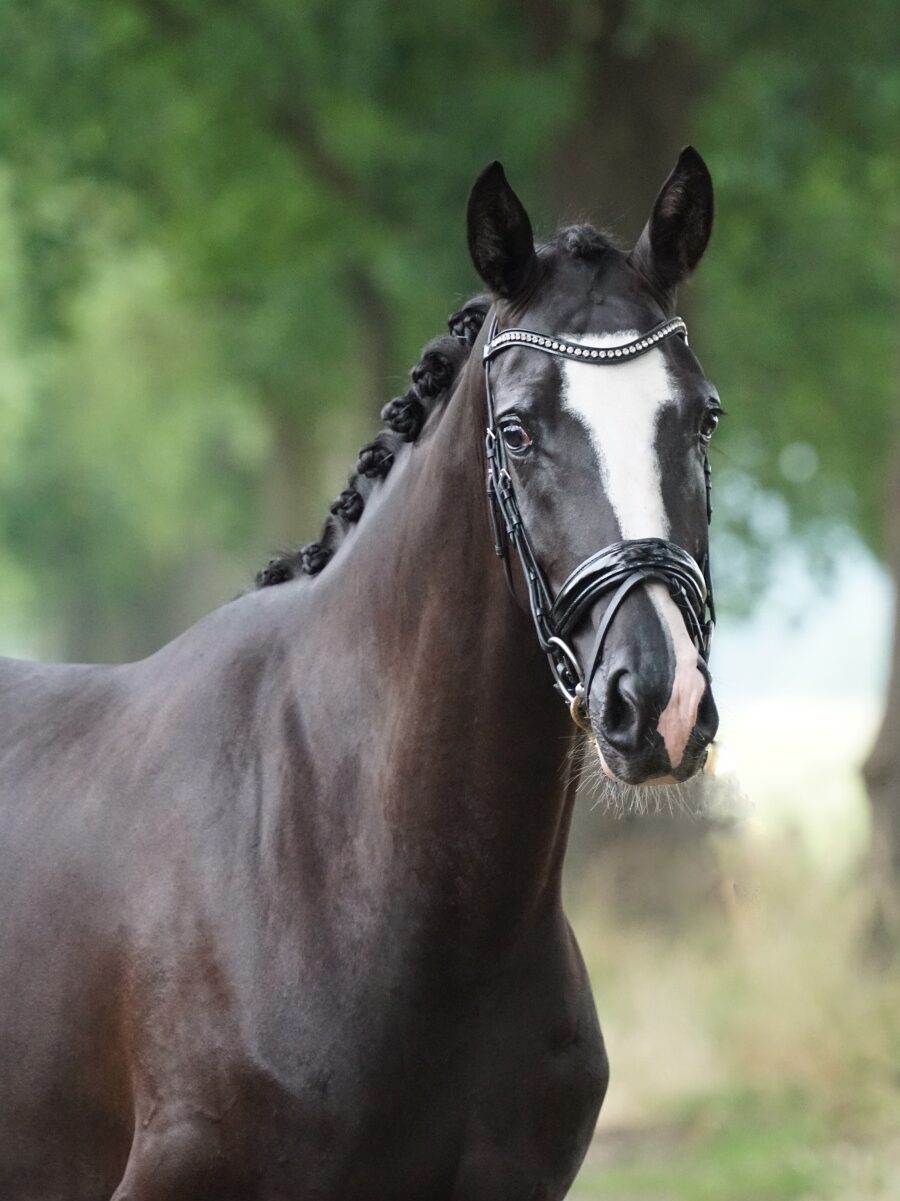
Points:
(432, 379)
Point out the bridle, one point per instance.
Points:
(618, 568)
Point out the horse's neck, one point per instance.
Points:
(467, 739)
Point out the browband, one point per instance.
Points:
(577, 350)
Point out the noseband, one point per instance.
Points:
(618, 568)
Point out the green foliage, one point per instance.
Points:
(280, 180)
(124, 451)
(753, 1046)
(803, 278)
(282, 150)
(205, 203)
(725, 1148)
(799, 294)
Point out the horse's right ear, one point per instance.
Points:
(500, 239)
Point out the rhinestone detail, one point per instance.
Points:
(575, 350)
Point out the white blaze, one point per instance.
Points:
(619, 406)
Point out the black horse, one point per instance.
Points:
(281, 910)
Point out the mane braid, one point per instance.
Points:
(432, 379)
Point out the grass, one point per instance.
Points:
(756, 1052)
(750, 1147)
(744, 1148)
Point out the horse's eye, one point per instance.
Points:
(516, 436)
(708, 424)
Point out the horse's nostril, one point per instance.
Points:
(621, 712)
(707, 717)
(651, 725)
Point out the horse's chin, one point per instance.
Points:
(707, 766)
(650, 782)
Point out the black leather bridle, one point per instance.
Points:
(618, 568)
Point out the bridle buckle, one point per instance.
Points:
(579, 713)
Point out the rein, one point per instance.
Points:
(618, 568)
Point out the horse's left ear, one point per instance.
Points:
(675, 237)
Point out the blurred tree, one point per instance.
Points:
(804, 127)
(305, 167)
(219, 199)
(127, 458)
(797, 109)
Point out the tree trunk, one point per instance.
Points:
(882, 768)
(292, 494)
(376, 339)
(639, 110)
(98, 628)
(313, 451)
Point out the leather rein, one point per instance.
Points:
(618, 568)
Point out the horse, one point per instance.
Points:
(281, 910)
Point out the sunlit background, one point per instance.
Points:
(225, 232)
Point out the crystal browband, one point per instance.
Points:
(577, 350)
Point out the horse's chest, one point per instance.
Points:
(377, 1093)
(429, 1105)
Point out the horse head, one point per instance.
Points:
(599, 424)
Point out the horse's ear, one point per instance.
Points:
(500, 239)
(675, 237)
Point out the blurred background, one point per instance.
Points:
(225, 231)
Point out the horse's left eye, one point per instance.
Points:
(708, 424)
(516, 436)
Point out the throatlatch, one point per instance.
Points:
(618, 568)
